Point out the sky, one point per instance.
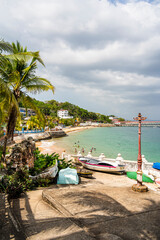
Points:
(102, 55)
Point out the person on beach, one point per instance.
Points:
(75, 150)
(82, 150)
(63, 154)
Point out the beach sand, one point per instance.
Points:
(76, 129)
(46, 146)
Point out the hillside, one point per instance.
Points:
(50, 108)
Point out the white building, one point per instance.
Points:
(63, 114)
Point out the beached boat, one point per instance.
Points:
(103, 166)
(145, 177)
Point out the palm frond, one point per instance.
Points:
(28, 72)
(38, 84)
(38, 58)
(28, 103)
(25, 56)
(18, 47)
(5, 46)
(36, 88)
(7, 96)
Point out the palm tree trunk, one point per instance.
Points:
(4, 149)
(10, 130)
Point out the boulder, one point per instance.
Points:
(22, 154)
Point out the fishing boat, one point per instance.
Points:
(145, 177)
(102, 166)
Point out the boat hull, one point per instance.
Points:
(103, 168)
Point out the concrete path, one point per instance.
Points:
(101, 208)
(106, 206)
(39, 221)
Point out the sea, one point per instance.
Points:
(114, 140)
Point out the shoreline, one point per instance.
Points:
(50, 149)
(54, 146)
(76, 129)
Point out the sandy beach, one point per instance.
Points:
(46, 146)
(76, 129)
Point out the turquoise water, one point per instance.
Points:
(112, 141)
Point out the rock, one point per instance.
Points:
(22, 154)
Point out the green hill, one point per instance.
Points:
(50, 108)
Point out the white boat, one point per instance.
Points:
(103, 166)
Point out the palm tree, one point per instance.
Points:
(5, 46)
(17, 76)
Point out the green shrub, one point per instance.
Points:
(43, 161)
(17, 183)
(20, 182)
(43, 182)
(1, 151)
(1, 165)
(62, 164)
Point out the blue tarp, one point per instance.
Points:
(156, 165)
(68, 176)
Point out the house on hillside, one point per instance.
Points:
(63, 114)
(115, 120)
(30, 112)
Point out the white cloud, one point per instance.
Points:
(101, 56)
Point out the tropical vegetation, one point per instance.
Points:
(15, 183)
(50, 108)
(17, 78)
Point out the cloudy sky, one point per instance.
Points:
(101, 55)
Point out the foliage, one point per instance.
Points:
(1, 164)
(50, 109)
(17, 183)
(62, 164)
(0, 151)
(67, 122)
(17, 78)
(34, 123)
(42, 182)
(43, 161)
(121, 119)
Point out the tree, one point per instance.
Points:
(17, 76)
(6, 47)
(34, 123)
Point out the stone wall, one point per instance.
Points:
(40, 136)
(22, 154)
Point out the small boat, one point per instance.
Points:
(84, 173)
(145, 177)
(156, 165)
(102, 166)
